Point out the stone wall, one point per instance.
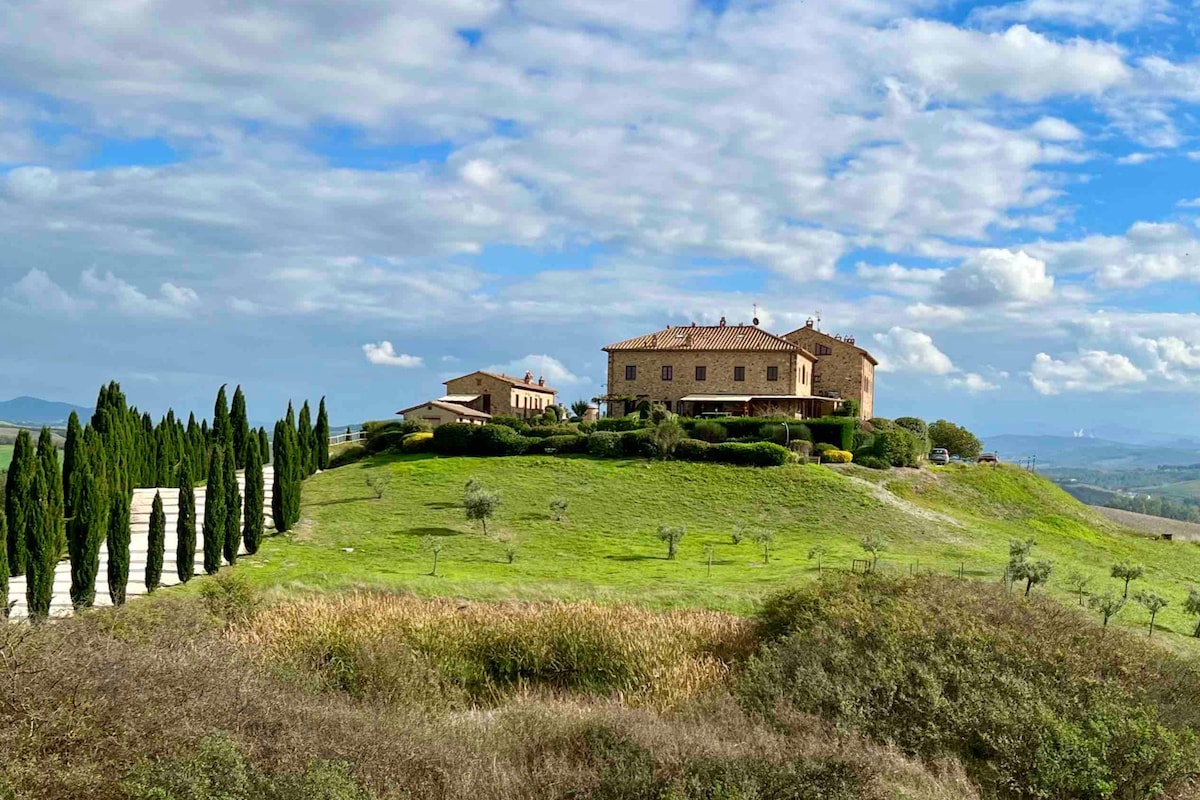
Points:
(505, 397)
(795, 374)
(845, 369)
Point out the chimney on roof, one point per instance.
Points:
(528, 376)
(850, 340)
(722, 322)
(808, 323)
(541, 381)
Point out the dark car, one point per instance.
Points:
(988, 458)
(939, 456)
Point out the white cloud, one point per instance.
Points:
(1134, 159)
(905, 350)
(1149, 252)
(1087, 371)
(38, 290)
(1194, 203)
(542, 366)
(994, 276)
(1053, 129)
(1118, 14)
(1194, 155)
(171, 300)
(896, 279)
(973, 382)
(384, 354)
(961, 64)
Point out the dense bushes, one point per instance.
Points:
(492, 440)
(632, 422)
(692, 450)
(758, 454)
(1036, 700)
(417, 442)
(455, 439)
(838, 456)
(710, 431)
(565, 443)
(897, 446)
(605, 444)
(546, 431)
(348, 455)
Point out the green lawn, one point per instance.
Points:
(940, 519)
(6, 451)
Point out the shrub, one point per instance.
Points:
(692, 450)
(802, 447)
(507, 420)
(546, 431)
(872, 462)
(838, 456)
(605, 444)
(568, 443)
(587, 427)
(455, 438)
(228, 596)
(821, 448)
(710, 431)
(956, 439)
(639, 443)
(499, 440)
(848, 408)
(917, 425)
(348, 455)
(758, 454)
(630, 423)
(417, 442)
(666, 436)
(386, 442)
(837, 431)
(899, 447)
(863, 441)
(773, 432)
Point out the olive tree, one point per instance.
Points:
(764, 539)
(1128, 572)
(1108, 604)
(1192, 606)
(819, 552)
(433, 545)
(1079, 583)
(558, 509)
(672, 536)
(874, 544)
(1153, 603)
(481, 505)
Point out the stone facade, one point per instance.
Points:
(504, 394)
(435, 413)
(842, 367)
(794, 374)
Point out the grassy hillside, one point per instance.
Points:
(606, 549)
(5, 455)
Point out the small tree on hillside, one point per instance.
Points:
(1192, 606)
(1079, 584)
(239, 427)
(957, 440)
(874, 544)
(155, 544)
(215, 516)
(672, 536)
(252, 517)
(1127, 572)
(1153, 603)
(433, 545)
(185, 525)
(1033, 573)
(481, 505)
(819, 552)
(117, 542)
(558, 509)
(764, 539)
(321, 437)
(1108, 604)
(579, 408)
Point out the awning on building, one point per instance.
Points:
(717, 398)
(459, 398)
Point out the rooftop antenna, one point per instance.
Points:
(818, 316)
(756, 315)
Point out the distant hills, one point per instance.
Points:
(33, 412)
(1104, 454)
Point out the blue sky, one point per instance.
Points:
(999, 199)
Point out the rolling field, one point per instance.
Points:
(605, 549)
(5, 455)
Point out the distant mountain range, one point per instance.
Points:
(31, 412)
(1105, 454)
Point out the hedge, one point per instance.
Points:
(605, 444)
(546, 431)
(629, 423)
(417, 442)
(498, 440)
(639, 443)
(837, 431)
(692, 450)
(759, 454)
(838, 456)
(456, 438)
(347, 455)
(897, 446)
(566, 443)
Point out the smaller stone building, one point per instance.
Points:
(843, 369)
(494, 393)
(437, 412)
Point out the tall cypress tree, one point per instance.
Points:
(221, 430)
(71, 457)
(240, 427)
(280, 481)
(252, 518)
(214, 512)
(118, 544)
(156, 544)
(321, 438)
(52, 484)
(4, 567)
(290, 419)
(185, 525)
(304, 438)
(87, 525)
(17, 501)
(41, 547)
(264, 446)
(233, 508)
(296, 476)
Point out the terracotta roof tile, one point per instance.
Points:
(518, 382)
(453, 408)
(708, 337)
(865, 353)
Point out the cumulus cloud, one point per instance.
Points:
(905, 350)
(1119, 14)
(996, 276)
(973, 382)
(1134, 159)
(171, 300)
(896, 279)
(1053, 129)
(542, 366)
(384, 354)
(38, 290)
(1149, 252)
(1086, 371)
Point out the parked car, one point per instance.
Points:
(988, 458)
(939, 456)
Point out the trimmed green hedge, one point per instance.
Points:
(457, 438)
(605, 444)
(546, 431)
(567, 443)
(496, 440)
(759, 454)
(692, 450)
(629, 423)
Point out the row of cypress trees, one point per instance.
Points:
(50, 512)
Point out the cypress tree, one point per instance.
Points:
(17, 492)
(296, 475)
(52, 484)
(221, 430)
(71, 457)
(4, 567)
(214, 512)
(280, 481)
(157, 542)
(304, 438)
(321, 438)
(41, 546)
(86, 526)
(264, 446)
(240, 427)
(118, 544)
(290, 419)
(185, 525)
(233, 508)
(252, 518)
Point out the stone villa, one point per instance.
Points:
(740, 370)
(476, 397)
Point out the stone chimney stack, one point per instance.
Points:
(541, 381)
(528, 376)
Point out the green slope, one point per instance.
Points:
(6, 451)
(940, 520)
